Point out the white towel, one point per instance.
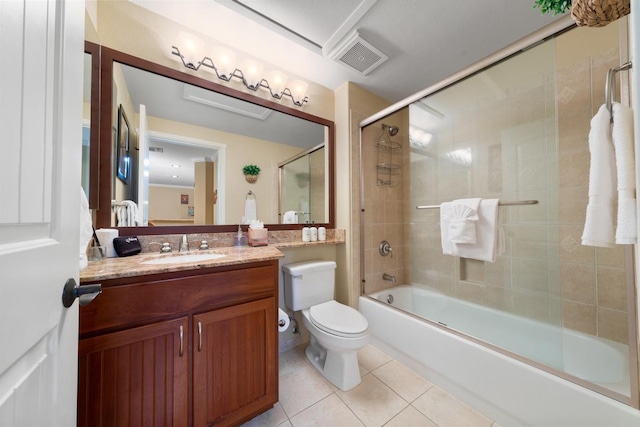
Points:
(290, 217)
(598, 227)
(489, 237)
(127, 214)
(249, 211)
(86, 228)
(463, 214)
(622, 135)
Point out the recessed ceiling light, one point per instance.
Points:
(175, 176)
(176, 166)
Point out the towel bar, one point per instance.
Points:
(514, 203)
(610, 85)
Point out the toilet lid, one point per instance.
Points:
(338, 319)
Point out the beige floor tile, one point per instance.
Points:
(302, 388)
(371, 358)
(373, 402)
(447, 411)
(330, 411)
(285, 424)
(272, 418)
(402, 380)
(410, 417)
(495, 425)
(291, 360)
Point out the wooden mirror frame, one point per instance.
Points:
(103, 215)
(94, 125)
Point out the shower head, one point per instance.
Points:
(393, 130)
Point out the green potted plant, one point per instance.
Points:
(251, 173)
(555, 7)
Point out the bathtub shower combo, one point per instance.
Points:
(543, 330)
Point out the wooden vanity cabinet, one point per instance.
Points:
(177, 349)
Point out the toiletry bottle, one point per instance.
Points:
(322, 234)
(239, 240)
(306, 235)
(313, 232)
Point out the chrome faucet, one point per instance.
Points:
(389, 277)
(185, 245)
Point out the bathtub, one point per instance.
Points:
(504, 388)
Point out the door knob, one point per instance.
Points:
(85, 293)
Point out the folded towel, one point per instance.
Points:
(463, 215)
(290, 217)
(249, 211)
(622, 135)
(489, 237)
(598, 227)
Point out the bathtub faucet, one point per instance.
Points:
(389, 277)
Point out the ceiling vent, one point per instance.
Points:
(358, 54)
(156, 149)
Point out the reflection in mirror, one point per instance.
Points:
(302, 187)
(198, 142)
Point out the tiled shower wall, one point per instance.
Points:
(385, 210)
(530, 143)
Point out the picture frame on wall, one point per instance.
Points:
(123, 163)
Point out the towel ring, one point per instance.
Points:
(250, 193)
(610, 86)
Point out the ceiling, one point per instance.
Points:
(425, 40)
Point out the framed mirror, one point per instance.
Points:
(210, 129)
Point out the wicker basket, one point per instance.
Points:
(251, 178)
(598, 13)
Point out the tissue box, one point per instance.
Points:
(258, 236)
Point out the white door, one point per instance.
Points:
(41, 46)
(143, 168)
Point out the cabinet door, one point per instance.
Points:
(136, 377)
(235, 363)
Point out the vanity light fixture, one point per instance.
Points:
(223, 64)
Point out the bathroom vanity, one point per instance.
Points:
(180, 344)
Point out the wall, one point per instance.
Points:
(126, 27)
(353, 104)
(166, 202)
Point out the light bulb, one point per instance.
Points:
(299, 90)
(252, 71)
(277, 82)
(191, 48)
(224, 61)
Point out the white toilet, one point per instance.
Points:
(337, 331)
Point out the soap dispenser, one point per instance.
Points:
(306, 236)
(239, 240)
(313, 232)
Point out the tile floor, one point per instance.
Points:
(390, 395)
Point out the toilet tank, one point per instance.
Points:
(308, 283)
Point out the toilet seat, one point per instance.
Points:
(338, 319)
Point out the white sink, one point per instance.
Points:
(182, 259)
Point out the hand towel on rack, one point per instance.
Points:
(598, 227)
(463, 214)
(489, 237)
(290, 217)
(127, 214)
(249, 211)
(622, 135)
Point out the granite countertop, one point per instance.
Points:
(112, 268)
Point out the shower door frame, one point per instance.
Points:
(631, 262)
